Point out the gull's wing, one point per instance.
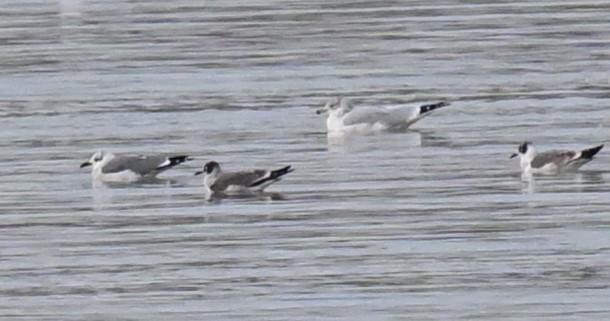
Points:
(389, 116)
(366, 115)
(557, 157)
(244, 179)
(140, 165)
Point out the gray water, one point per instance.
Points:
(431, 224)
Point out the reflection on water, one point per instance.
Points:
(264, 196)
(581, 182)
(431, 223)
(143, 182)
(347, 144)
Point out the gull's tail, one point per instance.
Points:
(424, 109)
(273, 175)
(173, 161)
(590, 152)
(422, 112)
(280, 172)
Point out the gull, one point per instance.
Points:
(218, 182)
(553, 161)
(122, 168)
(344, 118)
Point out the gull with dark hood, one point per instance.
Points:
(553, 161)
(216, 181)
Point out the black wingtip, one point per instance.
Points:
(275, 174)
(590, 152)
(281, 172)
(175, 160)
(430, 107)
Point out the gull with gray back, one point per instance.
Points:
(122, 168)
(218, 182)
(343, 118)
(553, 161)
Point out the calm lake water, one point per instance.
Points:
(431, 224)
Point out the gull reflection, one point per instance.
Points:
(264, 196)
(584, 181)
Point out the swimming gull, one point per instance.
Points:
(218, 182)
(553, 161)
(122, 168)
(344, 119)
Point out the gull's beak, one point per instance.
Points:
(198, 173)
(513, 155)
(322, 110)
(85, 164)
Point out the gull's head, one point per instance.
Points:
(340, 104)
(210, 168)
(523, 149)
(97, 157)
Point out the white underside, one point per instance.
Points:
(548, 169)
(553, 169)
(243, 190)
(358, 129)
(335, 126)
(404, 117)
(237, 189)
(124, 176)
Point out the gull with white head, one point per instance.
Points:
(218, 182)
(553, 161)
(343, 118)
(111, 167)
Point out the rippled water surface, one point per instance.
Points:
(433, 223)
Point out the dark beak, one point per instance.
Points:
(85, 164)
(513, 156)
(320, 111)
(198, 173)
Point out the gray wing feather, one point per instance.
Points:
(371, 115)
(558, 157)
(141, 165)
(238, 178)
(367, 115)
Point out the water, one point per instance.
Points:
(434, 223)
